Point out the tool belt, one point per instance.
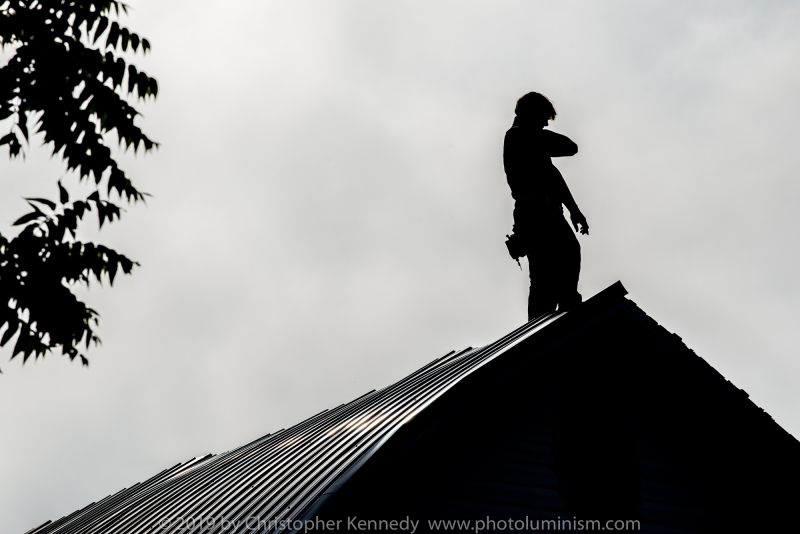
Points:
(517, 246)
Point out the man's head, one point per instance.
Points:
(535, 107)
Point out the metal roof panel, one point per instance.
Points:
(281, 475)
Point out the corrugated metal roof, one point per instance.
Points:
(281, 476)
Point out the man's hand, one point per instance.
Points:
(579, 222)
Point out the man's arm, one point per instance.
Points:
(563, 193)
(557, 145)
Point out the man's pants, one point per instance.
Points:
(554, 261)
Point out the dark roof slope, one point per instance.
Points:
(285, 475)
(281, 475)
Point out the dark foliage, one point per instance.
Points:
(64, 74)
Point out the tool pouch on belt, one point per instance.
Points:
(517, 247)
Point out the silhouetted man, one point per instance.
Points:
(540, 192)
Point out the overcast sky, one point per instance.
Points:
(329, 210)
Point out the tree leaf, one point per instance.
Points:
(152, 87)
(101, 27)
(28, 217)
(132, 73)
(63, 194)
(22, 123)
(126, 36)
(49, 203)
(113, 36)
(8, 138)
(13, 326)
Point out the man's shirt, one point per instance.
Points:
(529, 169)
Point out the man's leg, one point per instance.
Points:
(568, 254)
(529, 226)
(543, 296)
